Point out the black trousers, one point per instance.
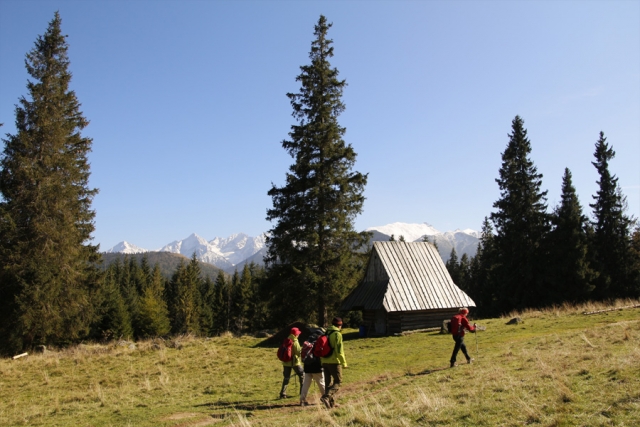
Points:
(459, 339)
(286, 373)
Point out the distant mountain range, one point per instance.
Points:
(238, 249)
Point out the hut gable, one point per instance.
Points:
(406, 276)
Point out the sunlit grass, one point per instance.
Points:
(559, 367)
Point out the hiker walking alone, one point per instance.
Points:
(295, 364)
(312, 368)
(459, 323)
(333, 363)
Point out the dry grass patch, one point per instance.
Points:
(559, 367)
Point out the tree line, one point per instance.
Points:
(52, 290)
(137, 301)
(529, 257)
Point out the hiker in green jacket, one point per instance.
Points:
(295, 364)
(333, 363)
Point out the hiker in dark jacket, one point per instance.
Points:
(294, 365)
(312, 368)
(333, 363)
(459, 324)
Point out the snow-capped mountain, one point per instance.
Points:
(224, 253)
(234, 251)
(465, 241)
(411, 232)
(126, 248)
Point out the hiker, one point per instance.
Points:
(333, 363)
(312, 367)
(459, 323)
(294, 364)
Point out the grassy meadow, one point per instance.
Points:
(559, 367)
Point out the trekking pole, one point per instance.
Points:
(476, 334)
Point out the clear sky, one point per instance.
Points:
(188, 108)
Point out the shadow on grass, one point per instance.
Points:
(248, 405)
(427, 371)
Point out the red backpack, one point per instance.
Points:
(285, 351)
(322, 348)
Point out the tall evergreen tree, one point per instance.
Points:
(153, 315)
(48, 265)
(313, 246)
(207, 297)
(184, 299)
(521, 224)
(570, 275)
(453, 267)
(464, 272)
(130, 287)
(114, 319)
(483, 287)
(635, 261)
(240, 298)
(257, 314)
(611, 238)
(221, 303)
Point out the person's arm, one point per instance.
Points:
(467, 325)
(339, 348)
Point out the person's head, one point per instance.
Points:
(464, 311)
(295, 331)
(337, 322)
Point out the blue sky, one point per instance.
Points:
(187, 102)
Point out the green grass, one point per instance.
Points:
(558, 368)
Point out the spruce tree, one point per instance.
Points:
(113, 317)
(257, 314)
(313, 246)
(635, 262)
(241, 295)
(221, 304)
(207, 297)
(611, 238)
(153, 315)
(184, 298)
(453, 267)
(464, 272)
(570, 275)
(130, 288)
(48, 265)
(483, 287)
(521, 224)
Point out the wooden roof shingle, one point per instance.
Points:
(415, 278)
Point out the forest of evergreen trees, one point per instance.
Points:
(528, 257)
(53, 291)
(137, 301)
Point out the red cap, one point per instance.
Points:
(295, 331)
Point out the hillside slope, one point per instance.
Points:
(559, 367)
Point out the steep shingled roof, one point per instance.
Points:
(406, 276)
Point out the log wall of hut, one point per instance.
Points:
(398, 321)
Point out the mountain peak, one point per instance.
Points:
(411, 232)
(126, 248)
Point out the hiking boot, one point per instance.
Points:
(304, 403)
(470, 360)
(326, 402)
(453, 365)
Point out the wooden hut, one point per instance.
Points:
(406, 287)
